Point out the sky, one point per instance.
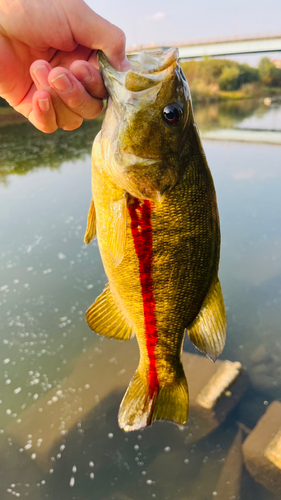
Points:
(171, 22)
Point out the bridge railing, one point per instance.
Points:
(206, 41)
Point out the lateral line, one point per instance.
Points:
(142, 235)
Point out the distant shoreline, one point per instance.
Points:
(234, 95)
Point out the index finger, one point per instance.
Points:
(93, 31)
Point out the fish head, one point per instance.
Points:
(146, 122)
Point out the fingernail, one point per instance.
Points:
(62, 83)
(41, 73)
(82, 74)
(44, 105)
(125, 65)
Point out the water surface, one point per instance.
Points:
(49, 277)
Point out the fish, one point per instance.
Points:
(154, 213)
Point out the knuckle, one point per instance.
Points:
(82, 109)
(46, 128)
(120, 40)
(73, 126)
(77, 104)
(95, 110)
(98, 109)
(86, 108)
(49, 129)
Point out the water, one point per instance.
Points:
(61, 385)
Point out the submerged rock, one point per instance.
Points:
(262, 450)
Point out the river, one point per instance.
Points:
(59, 392)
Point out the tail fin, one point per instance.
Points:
(141, 406)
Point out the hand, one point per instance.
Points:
(49, 70)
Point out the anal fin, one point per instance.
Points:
(105, 318)
(91, 224)
(208, 331)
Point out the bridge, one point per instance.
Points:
(252, 44)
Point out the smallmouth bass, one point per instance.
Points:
(155, 215)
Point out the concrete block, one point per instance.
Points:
(214, 390)
(262, 450)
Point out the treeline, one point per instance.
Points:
(215, 78)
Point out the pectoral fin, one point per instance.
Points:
(117, 240)
(91, 224)
(208, 330)
(105, 318)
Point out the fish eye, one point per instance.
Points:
(172, 114)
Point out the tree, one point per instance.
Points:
(269, 74)
(229, 79)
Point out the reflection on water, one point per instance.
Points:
(50, 359)
(24, 148)
(262, 118)
(247, 114)
(226, 114)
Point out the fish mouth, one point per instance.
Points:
(148, 69)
